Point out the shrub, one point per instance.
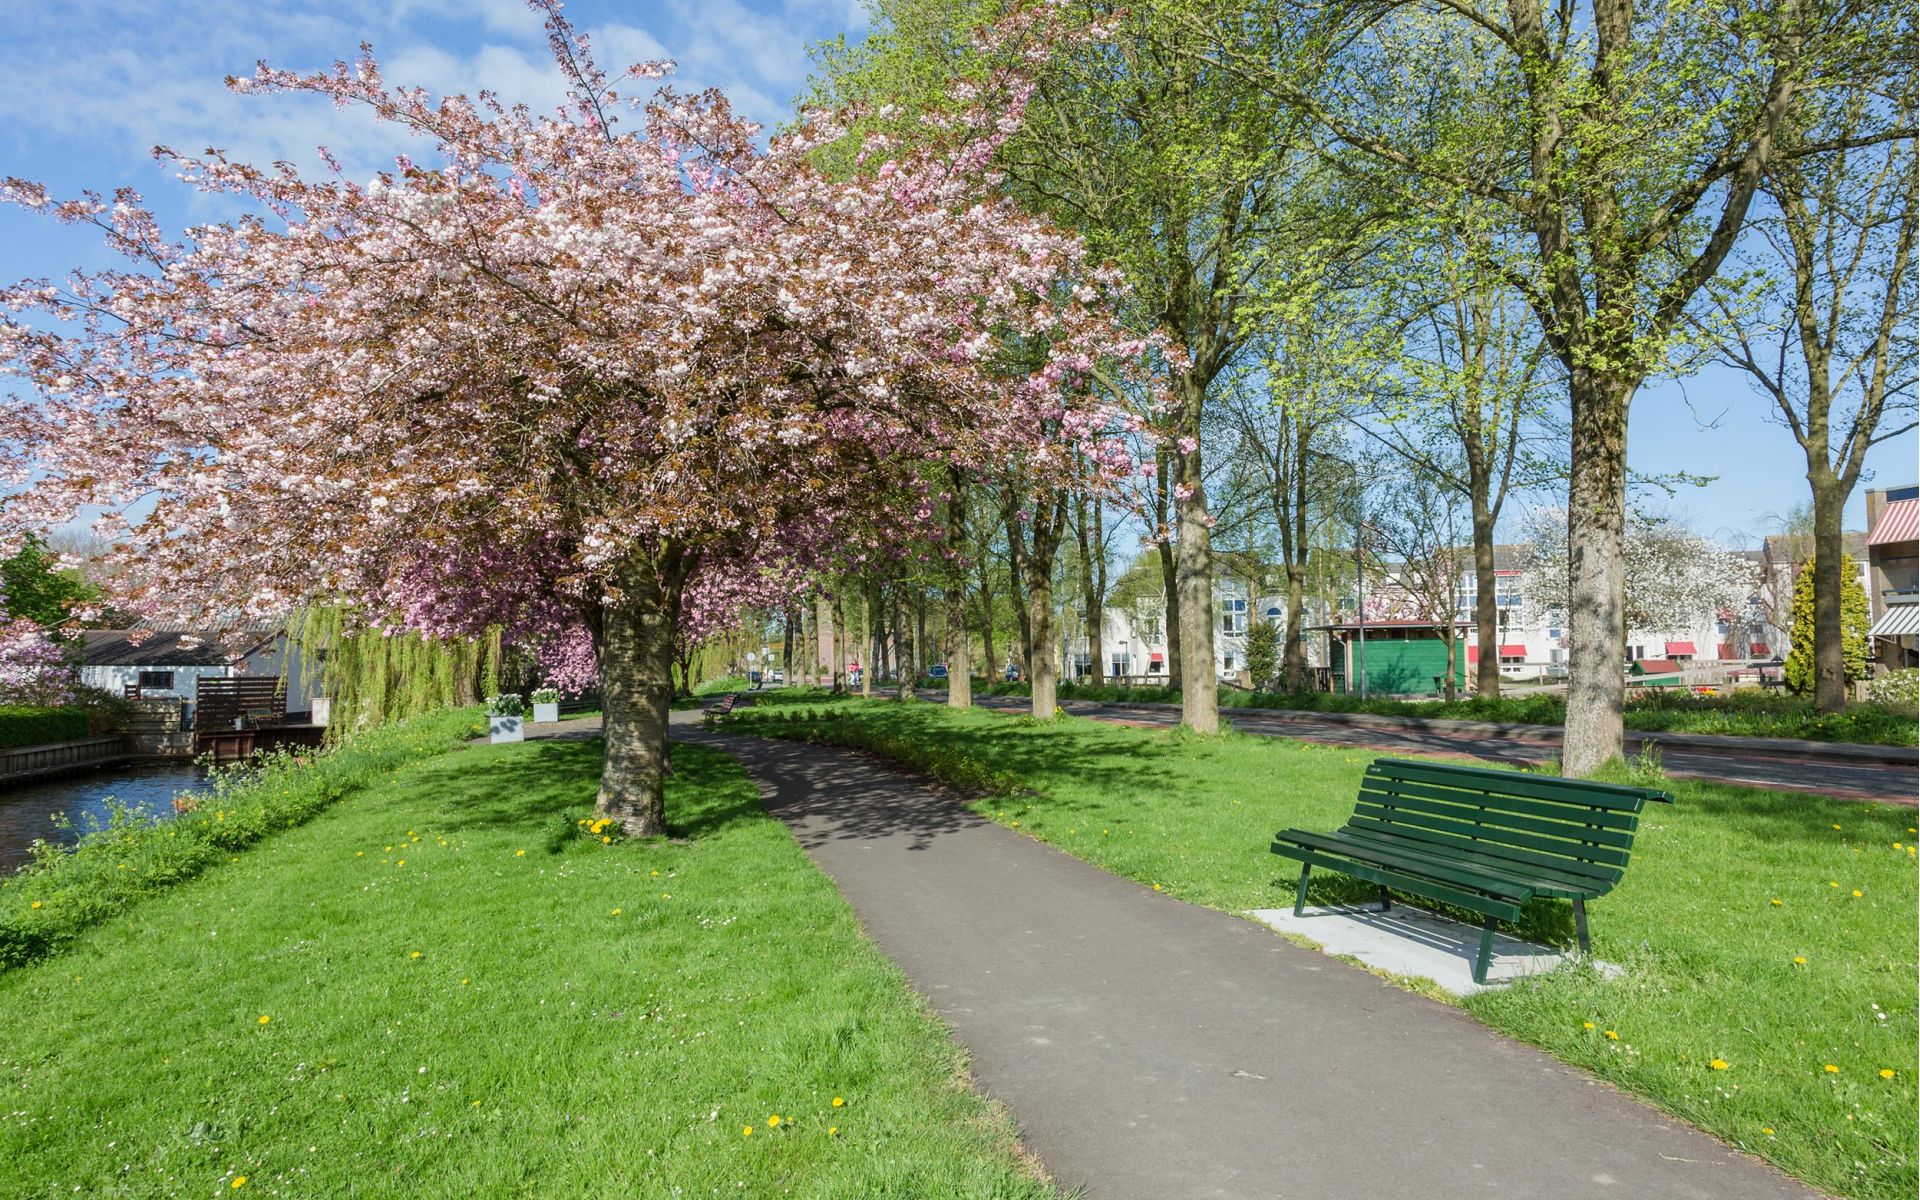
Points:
(1899, 689)
(30, 725)
(63, 892)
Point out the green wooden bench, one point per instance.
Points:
(1480, 839)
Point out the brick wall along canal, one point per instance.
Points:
(27, 812)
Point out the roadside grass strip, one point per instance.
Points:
(452, 984)
(1768, 938)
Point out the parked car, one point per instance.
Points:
(937, 671)
(778, 677)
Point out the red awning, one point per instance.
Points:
(1473, 654)
(1516, 650)
(1156, 656)
(1760, 650)
(1677, 648)
(1900, 523)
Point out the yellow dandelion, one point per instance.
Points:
(239, 1181)
(1612, 1036)
(1832, 1070)
(1833, 883)
(1857, 893)
(416, 954)
(388, 849)
(1156, 887)
(656, 874)
(666, 895)
(476, 1104)
(1776, 903)
(746, 1131)
(1799, 960)
(616, 912)
(1586, 1024)
(359, 853)
(1718, 1064)
(838, 1102)
(1886, 1072)
(264, 1018)
(1767, 1129)
(1836, 827)
(833, 1131)
(606, 841)
(773, 1122)
(36, 904)
(401, 863)
(465, 982)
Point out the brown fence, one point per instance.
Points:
(254, 700)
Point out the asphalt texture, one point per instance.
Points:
(1151, 1049)
(1790, 772)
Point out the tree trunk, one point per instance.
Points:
(991, 659)
(921, 658)
(786, 647)
(1099, 644)
(636, 693)
(1486, 612)
(1199, 694)
(1016, 567)
(1048, 523)
(959, 646)
(1089, 546)
(1596, 534)
(902, 677)
(1829, 634)
(1293, 656)
(1170, 584)
(866, 644)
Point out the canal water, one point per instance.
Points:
(27, 812)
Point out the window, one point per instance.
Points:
(1122, 665)
(1228, 661)
(1233, 615)
(159, 681)
(1274, 613)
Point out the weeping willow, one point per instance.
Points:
(373, 678)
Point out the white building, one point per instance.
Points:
(170, 663)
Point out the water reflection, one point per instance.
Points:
(27, 812)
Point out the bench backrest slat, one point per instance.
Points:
(1495, 835)
(1616, 796)
(1433, 831)
(1494, 819)
(1557, 812)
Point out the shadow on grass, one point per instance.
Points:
(550, 783)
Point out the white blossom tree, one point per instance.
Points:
(1675, 578)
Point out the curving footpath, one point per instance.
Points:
(1152, 1049)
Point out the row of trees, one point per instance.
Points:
(1472, 233)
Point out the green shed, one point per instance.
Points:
(1403, 658)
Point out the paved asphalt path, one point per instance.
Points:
(1150, 1049)
(1786, 772)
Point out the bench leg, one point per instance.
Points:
(1580, 927)
(1486, 952)
(1386, 901)
(1300, 896)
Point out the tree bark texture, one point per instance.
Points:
(1199, 693)
(1045, 528)
(959, 645)
(1596, 534)
(636, 693)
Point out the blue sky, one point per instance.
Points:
(87, 87)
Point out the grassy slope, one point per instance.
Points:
(1709, 955)
(539, 1044)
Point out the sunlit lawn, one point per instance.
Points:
(440, 987)
(1728, 888)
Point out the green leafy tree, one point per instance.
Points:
(1855, 618)
(38, 589)
(1263, 652)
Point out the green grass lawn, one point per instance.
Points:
(1726, 891)
(442, 986)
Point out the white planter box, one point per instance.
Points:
(547, 712)
(507, 729)
(321, 708)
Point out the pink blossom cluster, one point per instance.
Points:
(34, 668)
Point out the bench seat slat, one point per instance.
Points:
(1464, 826)
(1414, 859)
(1544, 880)
(1615, 796)
(1621, 824)
(1415, 885)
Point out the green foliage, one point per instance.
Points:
(373, 679)
(37, 590)
(720, 977)
(1263, 651)
(1709, 955)
(507, 704)
(26, 725)
(1855, 619)
(725, 683)
(64, 892)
